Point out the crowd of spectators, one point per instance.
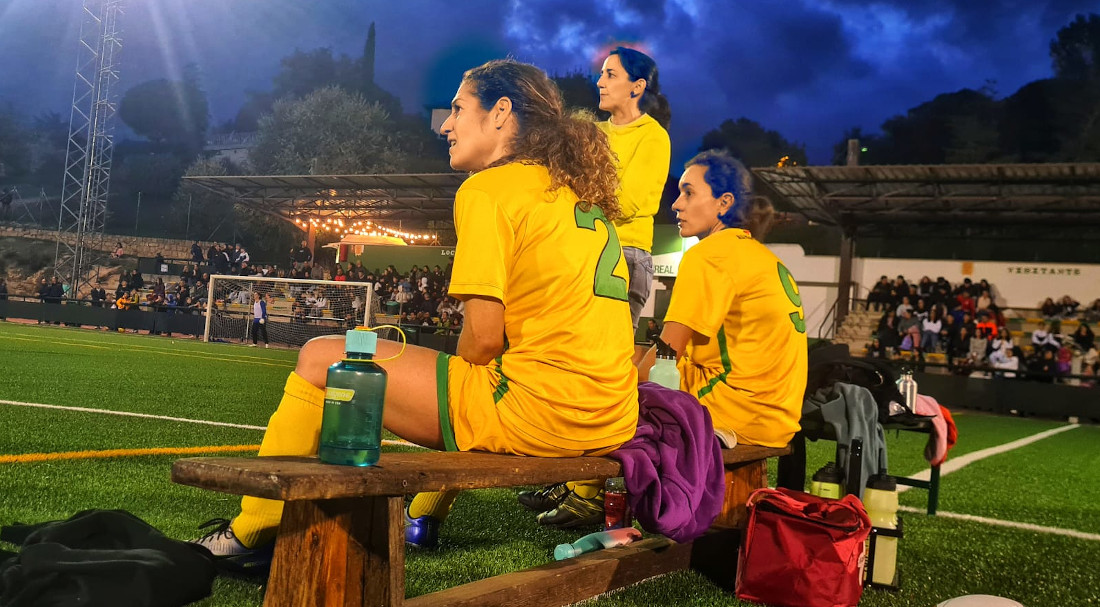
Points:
(965, 323)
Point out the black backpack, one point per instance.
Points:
(832, 363)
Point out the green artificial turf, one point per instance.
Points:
(1050, 482)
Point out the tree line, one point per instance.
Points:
(324, 114)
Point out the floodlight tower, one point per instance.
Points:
(91, 144)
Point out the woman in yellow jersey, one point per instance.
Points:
(735, 318)
(630, 91)
(544, 358)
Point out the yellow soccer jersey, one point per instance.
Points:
(566, 377)
(643, 151)
(747, 361)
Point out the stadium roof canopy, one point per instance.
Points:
(887, 199)
(419, 200)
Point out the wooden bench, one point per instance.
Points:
(342, 542)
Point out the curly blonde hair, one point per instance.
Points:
(569, 145)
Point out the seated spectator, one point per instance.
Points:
(920, 311)
(1092, 313)
(925, 287)
(959, 347)
(986, 325)
(930, 331)
(1049, 310)
(904, 306)
(1043, 367)
(1005, 360)
(1068, 307)
(652, 331)
(403, 296)
(123, 287)
(888, 334)
(340, 276)
(880, 294)
(1065, 361)
(910, 328)
(1043, 339)
(118, 250)
(320, 303)
(877, 350)
(98, 295)
(964, 302)
(1083, 337)
(978, 346)
(984, 301)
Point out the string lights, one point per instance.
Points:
(361, 227)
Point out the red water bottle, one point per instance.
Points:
(616, 511)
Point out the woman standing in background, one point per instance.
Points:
(630, 91)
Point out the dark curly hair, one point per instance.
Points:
(570, 146)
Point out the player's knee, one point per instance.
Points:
(317, 356)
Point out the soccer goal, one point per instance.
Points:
(297, 310)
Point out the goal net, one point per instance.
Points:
(297, 310)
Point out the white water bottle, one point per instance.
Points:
(665, 373)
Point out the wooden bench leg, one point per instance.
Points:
(339, 553)
(741, 480)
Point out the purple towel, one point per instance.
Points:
(673, 465)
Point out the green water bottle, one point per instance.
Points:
(351, 425)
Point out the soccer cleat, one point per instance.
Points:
(543, 499)
(422, 531)
(228, 550)
(575, 511)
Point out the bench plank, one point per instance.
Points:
(569, 581)
(305, 478)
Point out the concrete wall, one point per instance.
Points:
(133, 246)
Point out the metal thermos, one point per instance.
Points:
(908, 388)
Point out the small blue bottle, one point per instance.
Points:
(351, 424)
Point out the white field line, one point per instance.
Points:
(1011, 524)
(204, 422)
(953, 465)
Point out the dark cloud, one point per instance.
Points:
(809, 69)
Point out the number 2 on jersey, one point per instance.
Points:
(792, 294)
(606, 284)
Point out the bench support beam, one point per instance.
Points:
(339, 553)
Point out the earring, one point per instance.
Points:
(633, 94)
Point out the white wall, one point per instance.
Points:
(1016, 284)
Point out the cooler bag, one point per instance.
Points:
(801, 550)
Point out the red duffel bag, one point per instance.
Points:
(801, 550)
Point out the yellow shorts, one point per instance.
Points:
(470, 418)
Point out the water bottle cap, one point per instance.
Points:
(359, 341)
(829, 473)
(565, 551)
(882, 482)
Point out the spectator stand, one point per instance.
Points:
(1020, 202)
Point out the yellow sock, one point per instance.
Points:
(294, 429)
(435, 504)
(585, 489)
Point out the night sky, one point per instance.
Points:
(807, 69)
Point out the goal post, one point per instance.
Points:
(297, 310)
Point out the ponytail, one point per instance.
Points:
(639, 65)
